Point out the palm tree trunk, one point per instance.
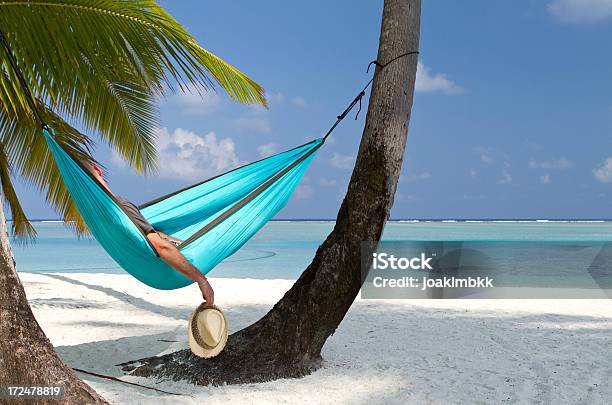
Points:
(287, 341)
(26, 355)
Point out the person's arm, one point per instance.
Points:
(171, 255)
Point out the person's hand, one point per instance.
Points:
(207, 292)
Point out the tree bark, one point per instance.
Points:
(26, 355)
(287, 341)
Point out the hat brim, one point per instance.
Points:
(206, 352)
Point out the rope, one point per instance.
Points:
(112, 378)
(362, 93)
(13, 62)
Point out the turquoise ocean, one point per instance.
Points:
(283, 249)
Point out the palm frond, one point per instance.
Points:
(236, 83)
(22, 228)
(103, 64)
(107, 63)
(135, 39)
(30, 158)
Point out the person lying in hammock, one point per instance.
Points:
(165, 245)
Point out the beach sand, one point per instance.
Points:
(385, 351)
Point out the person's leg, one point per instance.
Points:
(171, 255)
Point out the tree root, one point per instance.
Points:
(241, 362)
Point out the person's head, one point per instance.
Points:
(92, 167)
(96, 172)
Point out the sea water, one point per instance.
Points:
(283, 249)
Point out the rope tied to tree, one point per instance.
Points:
(363, 91)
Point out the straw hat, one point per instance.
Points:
(207, 331)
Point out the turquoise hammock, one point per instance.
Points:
(213, 218)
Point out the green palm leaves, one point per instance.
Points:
(100, 65)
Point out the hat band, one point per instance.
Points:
(195, 332)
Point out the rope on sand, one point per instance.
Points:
(110, 377)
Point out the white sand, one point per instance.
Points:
(393, 351)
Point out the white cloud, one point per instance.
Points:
(408, 198)
(554, 164)
(603, 173)
(304, 192)
(411, 177)
(581, 11)
(275, 98)
(427, 82)
(187, 155)
(327, 182)
(342, 161)
(254, 124)
(117, 161)
(299, 101)
(267, 149)
(485, 154)
(255, 120)
(473, 173)
(193, 103)
(506, 177)
(545, 179)
(474, 197)
(486, 158)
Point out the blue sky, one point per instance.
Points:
(512, 115)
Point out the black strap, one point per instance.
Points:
(363, 92)
(29, 97)
(380, 65)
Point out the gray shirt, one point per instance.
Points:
(134, 213)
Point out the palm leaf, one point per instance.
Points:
(22, 228)
(103, 65)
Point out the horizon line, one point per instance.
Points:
(440, 219)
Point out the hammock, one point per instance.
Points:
(214, 218)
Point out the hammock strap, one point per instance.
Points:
(362, 93)
(13, 62)
(247, 199)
